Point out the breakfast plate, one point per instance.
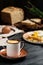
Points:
(4, 37)
(13, 31)
(35, 37)
(23, 53)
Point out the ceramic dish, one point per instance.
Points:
(13, 31)
(35, 37)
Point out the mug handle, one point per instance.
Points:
(22, 45)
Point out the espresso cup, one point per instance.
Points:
(14, 47)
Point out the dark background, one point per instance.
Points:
(21, 3)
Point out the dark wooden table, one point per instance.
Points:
(34, 57)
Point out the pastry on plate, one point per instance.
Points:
(6, 30)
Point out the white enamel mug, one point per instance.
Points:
(14, 47)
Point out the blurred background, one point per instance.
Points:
(26, 5)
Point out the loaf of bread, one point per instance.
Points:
(12, 15)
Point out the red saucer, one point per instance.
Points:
(23, 53)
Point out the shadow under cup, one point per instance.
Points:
(14, 47)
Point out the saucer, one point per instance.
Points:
(23, 53)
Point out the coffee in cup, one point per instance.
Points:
(14, 48)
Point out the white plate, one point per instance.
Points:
(11, 33)
(3, 40)
(25, 36)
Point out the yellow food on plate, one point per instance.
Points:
(35, 33)
(35, 37)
